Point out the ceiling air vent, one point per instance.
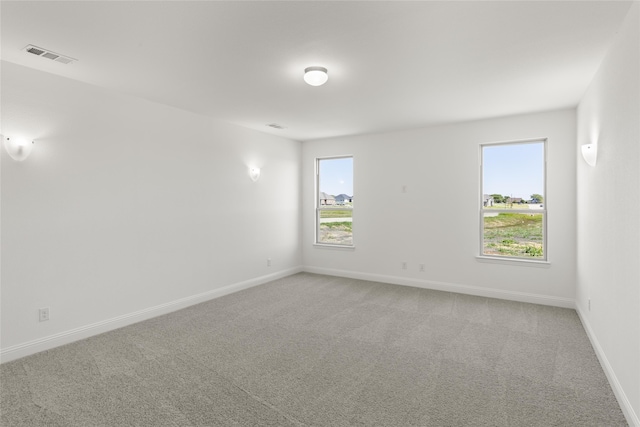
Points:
(44, 53)
(276, 126)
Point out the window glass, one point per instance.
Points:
(334, 201)
(513, 207)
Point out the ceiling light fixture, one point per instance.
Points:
(315, 76)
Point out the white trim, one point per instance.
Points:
(56, 340)
(448, 287)
(544, 213)
(516, 141)
(513, 261)
(329, 245)
(507, 210)
(623, 401)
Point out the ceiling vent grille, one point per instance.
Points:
(44, 53)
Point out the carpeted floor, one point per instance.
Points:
(312, 350)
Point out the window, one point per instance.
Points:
(334, 201)
(513, 208)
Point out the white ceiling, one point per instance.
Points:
(392, 65)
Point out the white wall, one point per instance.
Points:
(608, 232)
(127, 208)
(126, 205)
(437, 221)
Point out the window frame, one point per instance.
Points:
(318, 209)
(544, 210)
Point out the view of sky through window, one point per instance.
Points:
(514, 170)
(336, 176)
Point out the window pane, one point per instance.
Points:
(335, 227)
(513, 234)
(335, 201)
(513, 174)
(335, 182)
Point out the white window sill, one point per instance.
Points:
(330, 246)
(514, 261)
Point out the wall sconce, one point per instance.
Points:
(254, 173)
(18, 148)
(590, 153)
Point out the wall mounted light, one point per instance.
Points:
(315, 76)
(590, 153)
(18, 148)
(254, 173)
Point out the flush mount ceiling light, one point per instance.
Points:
(315, 76)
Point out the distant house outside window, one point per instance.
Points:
(334, 201)
(513, 213)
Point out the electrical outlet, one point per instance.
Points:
(422, 267)
(404, 265)
(43, 314)
(268, 262)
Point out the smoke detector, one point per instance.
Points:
(45, 53)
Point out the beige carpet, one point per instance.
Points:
(312, 350)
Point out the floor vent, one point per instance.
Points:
(44, 53)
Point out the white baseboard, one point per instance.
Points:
(625, 404)
(56, 340)
(448, 287)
